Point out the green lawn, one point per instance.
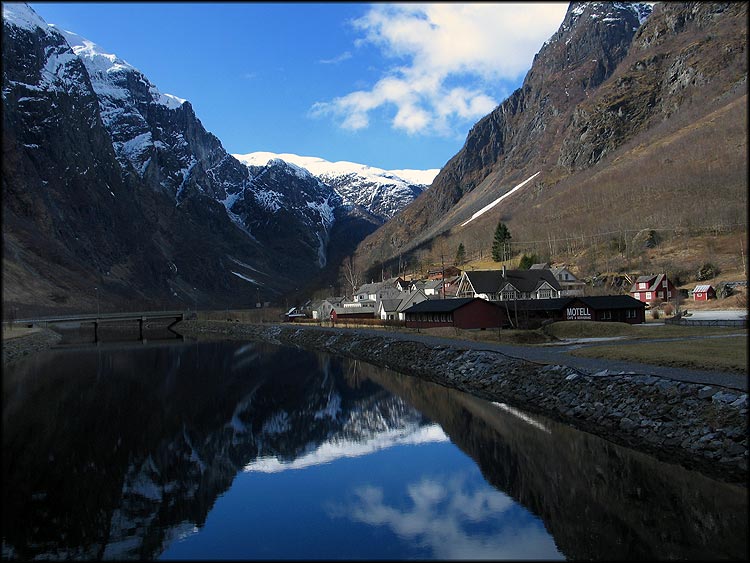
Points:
(725, 354)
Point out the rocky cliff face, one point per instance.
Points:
(611, 74)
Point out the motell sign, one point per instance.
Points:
(578, 314)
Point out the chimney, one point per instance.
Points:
(503, 270)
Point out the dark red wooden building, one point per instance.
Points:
(468, 312)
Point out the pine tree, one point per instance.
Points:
(501, 243)
(460, 254)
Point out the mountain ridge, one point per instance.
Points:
(579, 107)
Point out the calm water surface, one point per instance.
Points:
(229, 450)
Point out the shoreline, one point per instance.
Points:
(700, 427)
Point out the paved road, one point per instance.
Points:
(559, 355)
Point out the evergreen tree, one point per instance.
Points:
(460, 254)
(528, 261)
(501, 243)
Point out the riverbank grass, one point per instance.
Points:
(17, 331)
(725, 354)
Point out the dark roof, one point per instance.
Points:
(529, 280)
(492, 281)
(441, 305)
(536, 304)
(611, 301)
(390, 304)
(596, 302)
(485, 281)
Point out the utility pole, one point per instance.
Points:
(442, 273)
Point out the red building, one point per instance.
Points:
(653, 288)
(704, 293)
(468, 312)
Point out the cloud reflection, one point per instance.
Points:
(454, 521)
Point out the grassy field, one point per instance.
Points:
(588, 329)
(726, 354)
(16, 331)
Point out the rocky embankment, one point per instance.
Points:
(699, 426)
(15, 349)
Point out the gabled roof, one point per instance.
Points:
(492, 281)
(368, 288)
(530, 280)
(407, 301)
(484, 281)
(442, 305)
(433, 284)
(654, 282)
(390, 305)
(702, 288)
(542, 266)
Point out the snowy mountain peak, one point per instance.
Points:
(321, 167)
(21, 15)
(106, 71)
(382, 192)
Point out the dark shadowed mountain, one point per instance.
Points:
(109, 183)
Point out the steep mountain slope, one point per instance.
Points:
(608, 81)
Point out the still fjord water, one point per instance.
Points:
(229, 450)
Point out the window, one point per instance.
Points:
(648, 296)
(545, 293)
(606, 315)
(642, 285)
(637, 295)
(508, 294)
(629, 313)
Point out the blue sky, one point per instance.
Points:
(389, 85)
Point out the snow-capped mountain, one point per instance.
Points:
(381, 192)
(102, 168)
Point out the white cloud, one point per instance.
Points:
(454, 519)
(335, 60)
(475, 47)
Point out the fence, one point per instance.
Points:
(741, 323)
(353, 323)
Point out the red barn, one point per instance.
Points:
(704, 293)
(467, 312)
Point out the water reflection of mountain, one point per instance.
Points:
(175, 425)
(114, 455)
(597, 499)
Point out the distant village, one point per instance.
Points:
(497, 299)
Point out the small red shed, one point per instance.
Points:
(704, 292)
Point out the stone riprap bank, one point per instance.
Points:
(699, 426)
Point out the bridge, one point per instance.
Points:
(100, 318)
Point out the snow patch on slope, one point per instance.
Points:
(498, 200)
